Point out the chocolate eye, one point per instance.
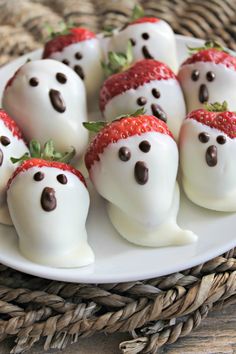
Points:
(124, 154)
(145, 36)
(61, 78)
(38, 176)
(141, 101)
(34, 81)
(62, 179)
(145, 146)
(210, 76)
(204, 137)
(221, 139)
(5, 140)
(195, 75)
(78, 56)
(156, 93)
(133, 42)
(66, 62)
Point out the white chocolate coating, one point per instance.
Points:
(210, 187)
(147, 208)
(56, 238)
(171, 101)
(90, 62)
(33, 111)
(16, 148)
(222, 88)
(161, 43)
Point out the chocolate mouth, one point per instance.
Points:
(48, 199)
(211, 156)
(146, 53)
(141, 172)
(79, 71)
(57, 101)
(203, 94)
(158, 112)
(1, 157)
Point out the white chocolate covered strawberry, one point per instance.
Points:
(11, 144)
(47, 100)
(133, 164)
(208, 158)
(80, 49)
(148, 84)
(48, 202)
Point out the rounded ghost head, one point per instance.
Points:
(80, 50)
(133, 164)
(208, 76)
(11, 145)
(148, 84)
(151, 38)
(207, 158)
(54, 197)
(47, 100)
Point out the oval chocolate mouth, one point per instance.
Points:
(57, 101)
(79, 71)
(158, 112)
(146, 53)
(1, 157)
(211, 156)
(48, 199)
(203, 94)
(141, 172)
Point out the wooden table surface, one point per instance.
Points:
(216, 335)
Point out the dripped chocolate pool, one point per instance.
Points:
(141, 172)
(57, 101)
(48, 199)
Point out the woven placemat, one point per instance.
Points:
(156, 311)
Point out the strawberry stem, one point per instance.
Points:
(217, 107)
(137, 12)
(210, 44)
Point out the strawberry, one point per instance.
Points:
(144, 20)
(10, 124)
(59, 42)
(26, 165)
(122, 128)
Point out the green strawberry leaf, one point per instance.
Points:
(137, 113)
(67, 156)
(21, 159)
(210, 44)
(108, 31)
(35, 148)
(216, 107)
(94, 127)
(137, 12)
(48, 151)
(64, 28)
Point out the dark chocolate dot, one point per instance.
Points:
(38, 176)
(156, 93)
(62, 179)
(5, 140)
(141, 101)
(61, 78)
(124, 154)
(133, 42)
(210, 76)
(34, 81)
(221, 139)
(66, 62)
(204, 137)
(78, 56)
(145, 35)
(145, 146)
(195, 75)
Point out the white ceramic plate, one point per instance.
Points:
(116, 259)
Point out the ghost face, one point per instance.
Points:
(85, 59)
(149, 41)
(207, 82)
(207, 158)
(57, 204)
(10, 146)
(47, 100)
(163, 99)
(138, 176)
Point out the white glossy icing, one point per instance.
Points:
(90, 62)
(56, 238)
(210, 187)
(16, 148)
(31, 108)
(171, 100)
(147, 208)
(161, 43)
(222, 88)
